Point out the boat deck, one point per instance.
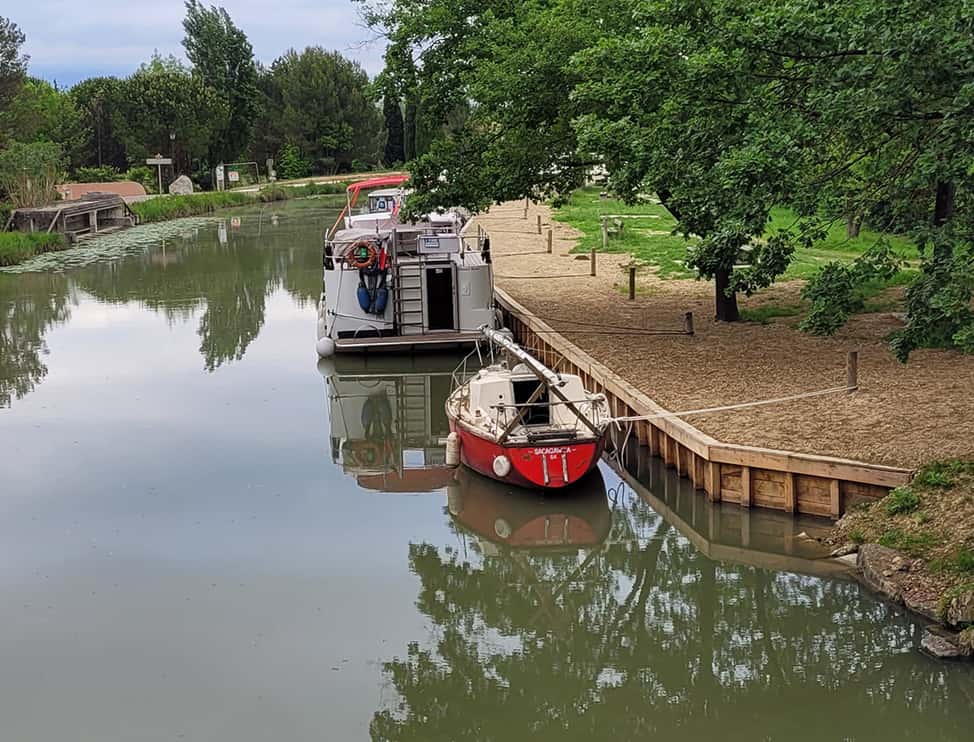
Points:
(404, 343)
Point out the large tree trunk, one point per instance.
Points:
(853, 225)
(943, 211)
(726, 306)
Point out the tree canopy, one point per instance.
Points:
(223, 60)
(843, 109)
(318, 102)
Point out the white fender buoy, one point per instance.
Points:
(502, 465)
(502, 528)
(453, 450)
(325, 347)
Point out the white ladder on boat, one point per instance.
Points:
(408, 298)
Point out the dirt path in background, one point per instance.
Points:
(903, 415)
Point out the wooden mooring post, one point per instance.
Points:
(852, 370)
(550, 240)
(594, 271)
(539, 223)
(688, 323)
(632, 283)
(527, 202)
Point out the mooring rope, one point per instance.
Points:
(741, 406)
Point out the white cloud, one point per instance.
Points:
(69, 41)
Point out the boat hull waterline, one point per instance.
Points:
(544, 466)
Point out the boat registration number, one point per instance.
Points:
(551, 451)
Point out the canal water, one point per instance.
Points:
(207, 535)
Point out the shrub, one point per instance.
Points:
(29, 173)
(290, 163)
(902, 500)
(144, 175)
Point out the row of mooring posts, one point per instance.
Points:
(852, 357)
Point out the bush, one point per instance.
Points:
(104, 174)
(290, 163)
(274, 193)
(144, 175)
(16, 247)
(29, 173)
(902, 500)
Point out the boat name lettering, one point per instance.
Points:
(551, 451)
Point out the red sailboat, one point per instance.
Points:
(527, 425)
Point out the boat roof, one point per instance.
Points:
(372, 183)
(385, 192)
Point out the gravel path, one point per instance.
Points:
(903, 415)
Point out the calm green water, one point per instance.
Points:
(206, 536)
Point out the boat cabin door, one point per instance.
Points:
(439, 298)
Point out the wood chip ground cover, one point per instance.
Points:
(904, 415)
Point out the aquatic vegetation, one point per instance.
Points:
(108, 247)
(16, 247)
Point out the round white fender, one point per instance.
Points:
(325, 347)
(453, 450)
(502, 465)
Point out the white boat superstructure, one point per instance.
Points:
(390, 285)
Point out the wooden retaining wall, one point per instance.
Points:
(726, 472)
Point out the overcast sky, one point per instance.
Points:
(70, 40)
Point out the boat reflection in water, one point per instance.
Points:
(388, 421)
(506, 517)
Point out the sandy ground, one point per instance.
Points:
(903, 415)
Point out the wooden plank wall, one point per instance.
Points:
(745, 475)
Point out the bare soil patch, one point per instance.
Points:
(903, 415)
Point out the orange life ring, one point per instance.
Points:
(362, 255)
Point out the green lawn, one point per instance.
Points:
(650, 239)
(16, 247)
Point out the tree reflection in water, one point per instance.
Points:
(224, 273)
(30, 305)
(642, 636)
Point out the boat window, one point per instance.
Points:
(539, 413)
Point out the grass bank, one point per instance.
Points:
(647, 235)
(16, 247)
(931, 522)
(164, 208)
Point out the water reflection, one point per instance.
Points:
(644, 635)
(219, 270)
(40, 302)
(388, 420)
(628, 608)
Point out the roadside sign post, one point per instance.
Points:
(220, 185)
(159, 161)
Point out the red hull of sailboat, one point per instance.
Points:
(545, 465)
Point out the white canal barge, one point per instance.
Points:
(396, 286)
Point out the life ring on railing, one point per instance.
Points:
(362, 255)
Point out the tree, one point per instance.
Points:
(39, 112)
(319, 102)
(13, 64)
(96, 99)
(395, 152)
(163, 99)
(223, 59)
